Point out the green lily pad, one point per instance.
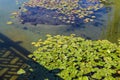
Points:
(21, 71)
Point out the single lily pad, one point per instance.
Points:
(21, 71)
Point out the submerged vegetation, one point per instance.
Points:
(79, 59)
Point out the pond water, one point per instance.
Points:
(11, 31)
(17, 32)
(103, 26)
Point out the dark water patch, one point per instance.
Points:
(25, 28)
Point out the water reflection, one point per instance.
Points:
(113, 29)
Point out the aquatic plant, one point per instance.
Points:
(66, 11)
(9, 22)
(77, 58)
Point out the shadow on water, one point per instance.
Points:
(13, 57)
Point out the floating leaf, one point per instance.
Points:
(9, 22)
(21, 71)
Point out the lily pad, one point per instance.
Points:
(9, 22)
(21, 71)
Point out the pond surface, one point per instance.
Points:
(26, 33)
(16, 37)
(11, 31)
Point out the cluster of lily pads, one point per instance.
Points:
(77, 58)
(69, 9)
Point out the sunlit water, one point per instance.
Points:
(28, 33)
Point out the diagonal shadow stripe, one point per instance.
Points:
(14, 57)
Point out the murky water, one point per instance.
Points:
(26, 33)
(11, 31)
